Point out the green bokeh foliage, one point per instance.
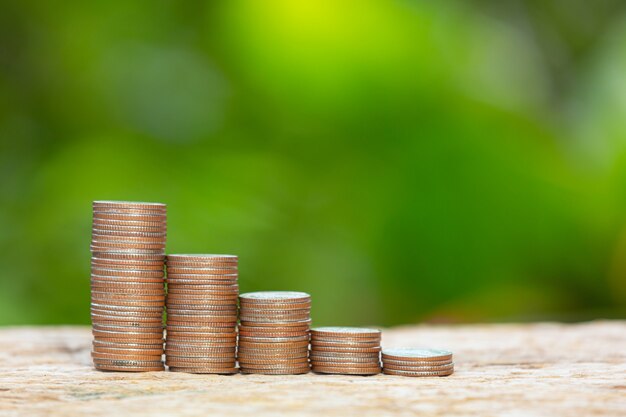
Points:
(400, 160)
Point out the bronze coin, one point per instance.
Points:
(278, 325)
(129, 257)
(128, 263)
(213, 327)
(127, 356)
(202, 322)
(198, 327)
(214, 362)
(387, 371)
(293, 371)
(193, 355)
(99, 247)
(205, 370)
(103, 367)
(206, 348)
(344, 360)
(141, 226)
(287, 345)
(127, 280)
(120, 327)
(129, 351)
(129, 283)
(200, 271)
(317, 343)
(153, 218)
(126, 344)
(342, 349)
(117, 238)
(426, 368)
(126, 272)
(97, 317)
(271, 334)
(345, 355)
(128, 294)
(121, 335)
(260, 330)
(250, 356)
(127, 341)
(276, 306)
(345, 371)
(136, 307)
(108, 231)
(272, 362)
(275, 313)
(202, 258)
(261, 339)
(350, 362)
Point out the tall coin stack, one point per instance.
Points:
(202, 293)
(274, 332)
(345, 350)
(417, 362)
(127, 288)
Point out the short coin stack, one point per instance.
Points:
(274, 332)
(201, 303)
(127, 289)
(417, 362)
(345, 350)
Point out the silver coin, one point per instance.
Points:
(417, 353)
(275, 295)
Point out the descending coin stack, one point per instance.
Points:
(127, 290)
(345, 350)
(274, 332)
(417, 362)
(201, 303)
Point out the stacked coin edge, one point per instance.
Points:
(201, 329)
(127, 291)
(415, 362)
(274, 332)
(345, 350)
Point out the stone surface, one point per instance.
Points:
(511, 370)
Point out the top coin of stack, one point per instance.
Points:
(202, 295)
(345, 350)
(417, 362)
(127, 285)
(274, 332)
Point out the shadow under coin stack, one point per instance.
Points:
(345, 350)
(417, 362)
(127, 288)
(202, 293)
(274, 332)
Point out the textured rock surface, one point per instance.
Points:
(514, 370)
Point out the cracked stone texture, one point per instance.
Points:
(543, 369)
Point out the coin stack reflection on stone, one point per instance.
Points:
(274, 332)
(417, 362)
(201, 334)
(345, 350)
(127, 288)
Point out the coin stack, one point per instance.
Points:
(345, 350)
(127, 288)
(274, 332)
(201, 304)
(417, 362)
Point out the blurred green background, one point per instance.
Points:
(402, 161)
